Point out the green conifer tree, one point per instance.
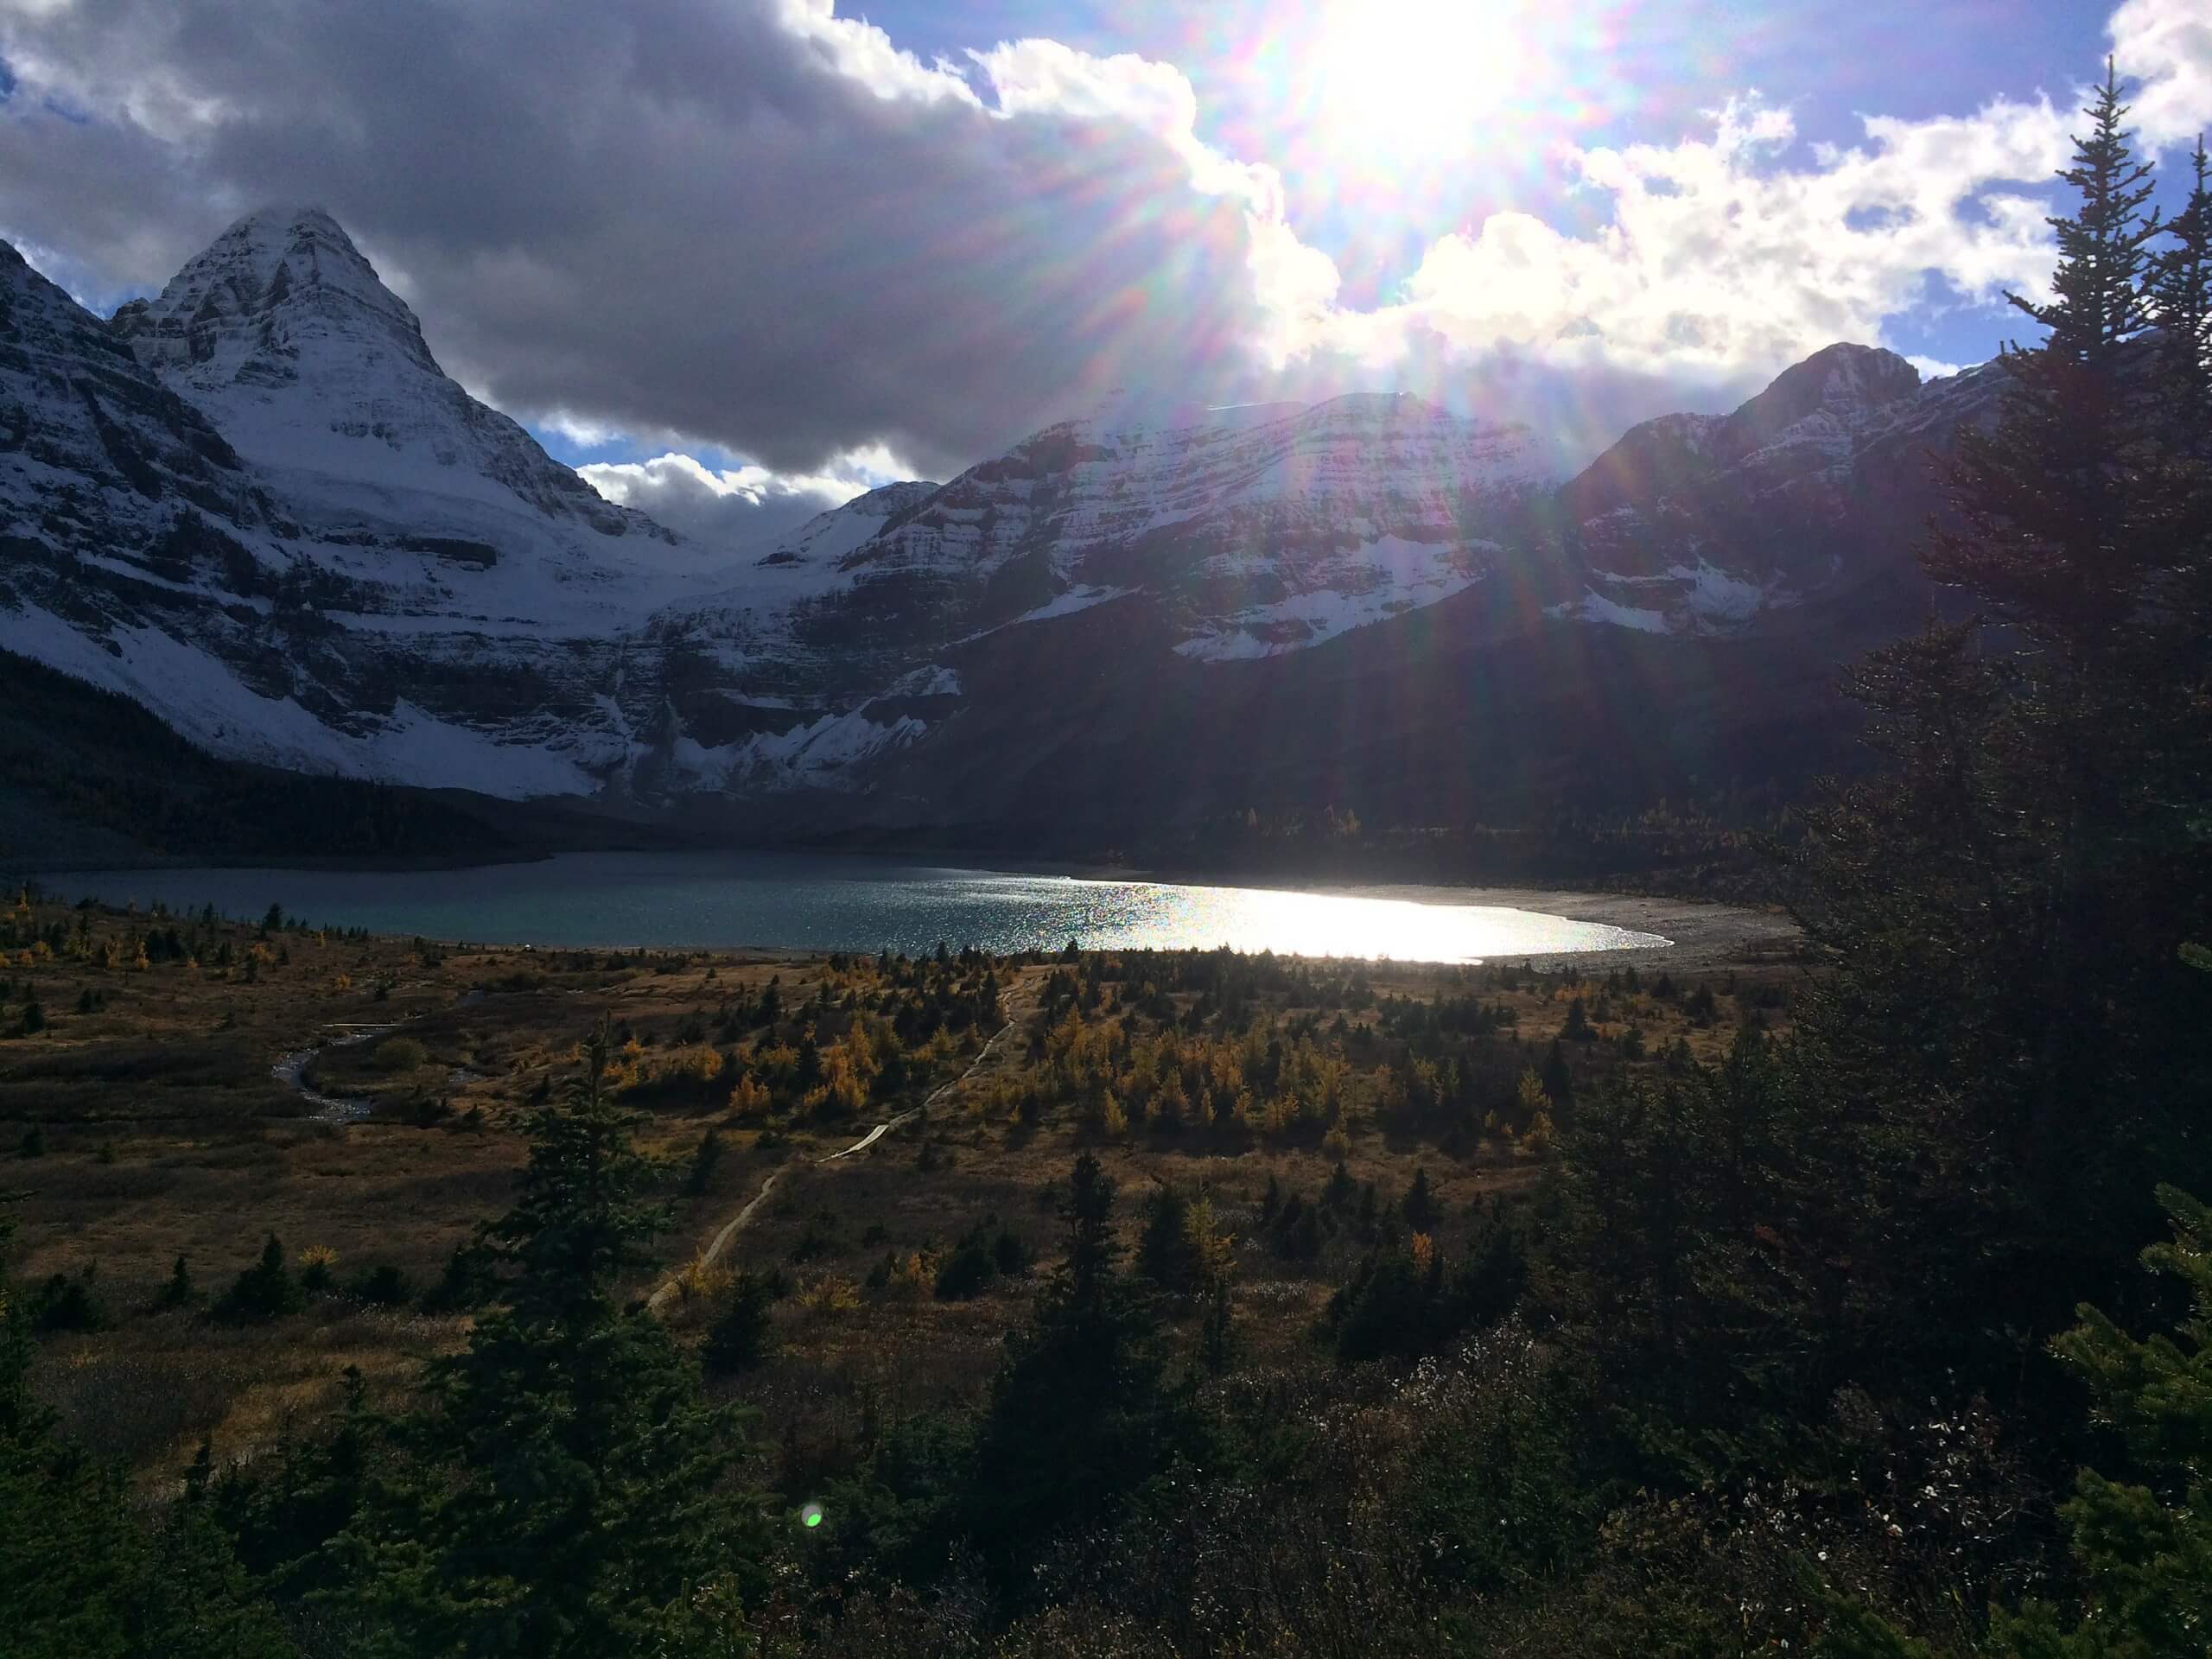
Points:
(2181, 302)
(2005, 1050)
(1079, 1414)
(563, 1490)
(80, 1578)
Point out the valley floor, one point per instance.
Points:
(144, 1121)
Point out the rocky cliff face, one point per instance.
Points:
(1804, 496)
(257, 505)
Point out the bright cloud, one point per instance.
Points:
(755, 226)
(1718, 256)
(2166, 46)
(740, 505)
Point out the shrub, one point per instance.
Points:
(968, 1271)
(467, 1282)
(1296, 1232)
(748, 1097)
(1420, 1207)
(1012, 1253)
(1341, 1189)
(397, 1054)
(820, 1238)
(178, 1292)
(264, 1291)
(701, 1177)
(67, 1304)
(317, 1265)
(739, 1338)
(1163, 1252)
(429, 1111)
(383, 1286)
(831, 1293)
(1392, 1305)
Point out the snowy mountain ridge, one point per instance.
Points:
(256, 504)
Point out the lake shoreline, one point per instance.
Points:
(1706, 932)
(1702, 934)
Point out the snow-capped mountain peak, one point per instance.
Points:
(277, 291)
(282, 333)
(1843, 386)
(824, 541)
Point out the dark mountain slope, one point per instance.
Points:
(87, 778)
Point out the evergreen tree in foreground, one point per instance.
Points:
(2008, 1053)
(2143, 1549)
(81, 1576)
(2181, 296)
(564, 1489)
(1079, 1416)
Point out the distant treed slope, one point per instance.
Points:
(88, 776)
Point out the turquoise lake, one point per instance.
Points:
(797, 901)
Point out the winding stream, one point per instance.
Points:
(290, 1069)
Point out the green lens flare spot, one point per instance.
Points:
(810, 1516)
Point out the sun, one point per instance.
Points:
(1412, 79)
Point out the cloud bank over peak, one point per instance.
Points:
(738, 507)
(1718, 257)
(758, 228)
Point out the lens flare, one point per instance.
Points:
(1411, 79)
(810, 1516)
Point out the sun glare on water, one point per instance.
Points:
(1409, 79)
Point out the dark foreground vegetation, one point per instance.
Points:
(1882, 1334)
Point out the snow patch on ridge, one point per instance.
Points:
(1716, 595)
(1076, 598)
(1385, 578)
(1596, 607)
(821, 753)
(931, 682)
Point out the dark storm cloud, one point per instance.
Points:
(688, 217)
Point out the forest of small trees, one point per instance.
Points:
(1889, 1334)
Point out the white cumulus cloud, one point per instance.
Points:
(1720, 257)
(757, 227)
(2166, 47)
(740, 507)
